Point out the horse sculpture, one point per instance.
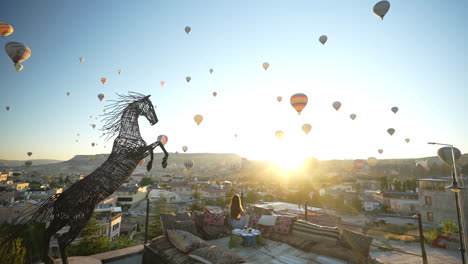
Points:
(76, 204)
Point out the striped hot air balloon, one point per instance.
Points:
(163, 139)
(103, 80)
(5, 29)
(299, 101)
(188, 164)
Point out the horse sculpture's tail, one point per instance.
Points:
(21, 241)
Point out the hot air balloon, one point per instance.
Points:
(279, 134)
(163, 139)
(198, 119)
(266, 65)
(188, 29)
(299, 101)
(235, 135)
(17, 52)
(68, 93)
(100, 96)
(93, 144)
(18, 67)
(29, 154)
(184, 148)
(188, 78)
(279, 99)
(93, 126)
(433, 162)
(28, 163)
(394, 109)
(211, 71)
(323, 39)
(162, 83)
(380, 151)
(8, 108)
(103, 80)
(445, 154)
(5, 29)
(391, 131)
(81, 59)
(78, 134)
(381, 8)
(306, 128)
(215, 94)
(119, 72)
(188, 164)
(372, 161)
(407, 140)
(336, 105)
(352, 116)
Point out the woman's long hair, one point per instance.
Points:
(236, 206)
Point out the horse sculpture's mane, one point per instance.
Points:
(113, 113)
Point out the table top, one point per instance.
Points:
(243, 232)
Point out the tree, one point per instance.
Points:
(67, 179)
(449, 227)
(252, 197)
(397, 185)
(356, 204)
(197, 205)
(155, 225)
(122, 242)
(383, 183)
(268, 197)
(146, 181)
(91, 243)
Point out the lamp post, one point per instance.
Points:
(455, 189)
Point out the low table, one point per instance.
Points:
(249, 238)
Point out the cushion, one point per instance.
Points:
(216, 255)
(185, 241)
(267, 220)
(283, 225)
(161, 250)
(356, 241)
(316, 233)
(168, 220)
(214, 232)
(188, 226)
(213, 218)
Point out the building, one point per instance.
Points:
(436, 202)
(370, 204)
(399, 202)
(131, 194)
(159, 194)
(3, 176)
(21, 186)
(9, 211)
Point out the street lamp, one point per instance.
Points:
(455, 189)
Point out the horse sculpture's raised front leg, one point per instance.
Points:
(150, 149)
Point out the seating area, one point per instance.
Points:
(204, 237)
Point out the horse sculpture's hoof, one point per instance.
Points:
(164, 164)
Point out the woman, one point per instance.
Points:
(237, 217)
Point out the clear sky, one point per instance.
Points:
(415, 59)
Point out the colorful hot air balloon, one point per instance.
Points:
(93, 144)
(211, 71)
(68, 93)
(306, 128)
(323, 39)
(188, 164)
(266, 65)
(394, 109)
(352, 116)
(163, 139)
(445, 154)
(81, 59)
(119, 72)
(8, 108)
(381, 8)
(5, 29)
(163, 83)
(188, 79)
(198, 119)
(184, 148)
(215, 94)
(279, 134)
(188, 29)
(391, 131)
(336, 105)
(380, 151)
(372, 161)
(103, 80)
(407, 140)
(93, 126)
(29, 154)
(279, 99)
(17, 52)
(100, 96)
(299, 101)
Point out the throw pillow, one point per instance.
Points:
(185, 241)
(316, 233)
(213, 218)
(216, 255)
(356, 241)
(168, 219)
(267, 220)
(188, 226)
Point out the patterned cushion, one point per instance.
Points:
(168, 220)
(267, 220)
(213, 218)
(188, 226)
(356, 241)
(253, 221)
(185, 241)
(216, 255)
(316, 233)
(214, 232)
(283, 225)
(161, 250)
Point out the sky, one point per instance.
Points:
(415, 59)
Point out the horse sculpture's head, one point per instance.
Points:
(147, 110)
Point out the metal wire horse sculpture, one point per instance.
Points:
(75, 205)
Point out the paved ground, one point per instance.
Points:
(435, 255)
